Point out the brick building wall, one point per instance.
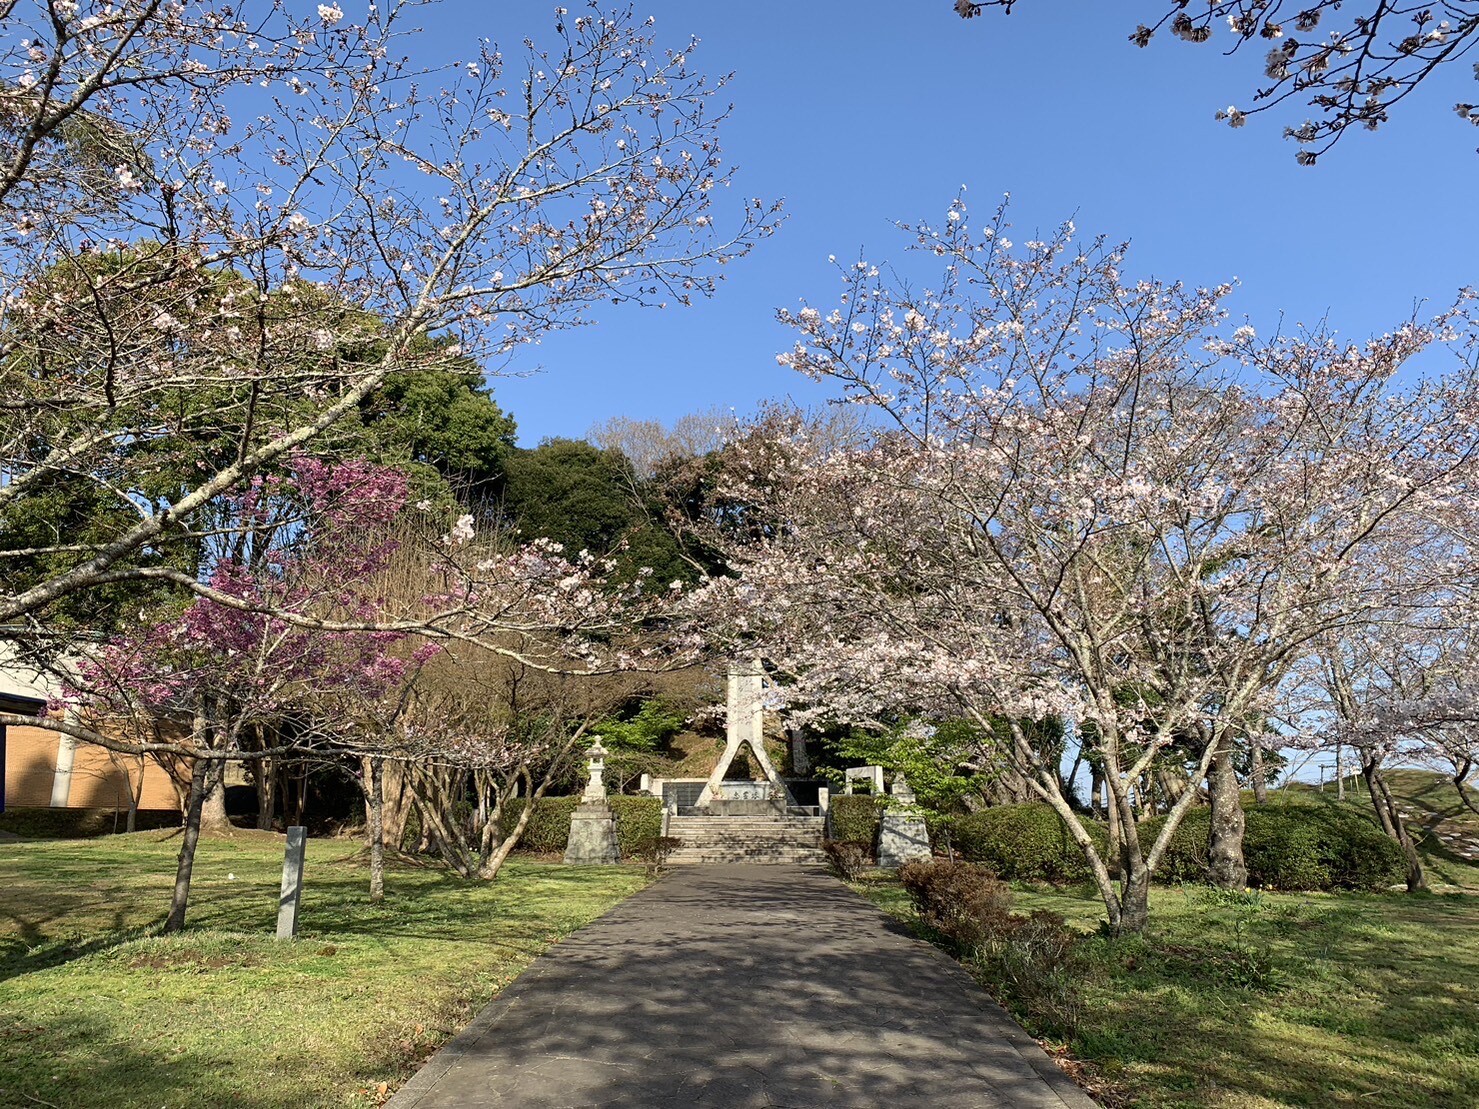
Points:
(36, 774)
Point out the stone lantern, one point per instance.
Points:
(592, 827)
(595, 788)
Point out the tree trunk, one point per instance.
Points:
(377, 837)
(213, 818)
(199, 783)
(1226, 867)
(1260, 774)
(1133, 910)
(1340, 771)
(494, 863)
(1391, 819)
(397, 805)
(1134, 901)
(135, 795)
(263, 771)
(1462, 768)
(1370, 773)
(1116, 850)
(301, 801)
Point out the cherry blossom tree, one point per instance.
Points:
(523, 647)
(1403, 690)
(474, 731)
(1085, 497)
(206, 212)
(1352, 62)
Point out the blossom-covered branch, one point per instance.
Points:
(1352, 66)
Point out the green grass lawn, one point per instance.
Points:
(97, 1009)
(1274, 999)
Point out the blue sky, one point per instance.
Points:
(863, 112)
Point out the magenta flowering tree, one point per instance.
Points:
(242, 662)
(1084, 497)
(309, 638)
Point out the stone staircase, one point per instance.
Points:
(746, 839)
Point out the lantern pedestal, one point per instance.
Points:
(592, 836)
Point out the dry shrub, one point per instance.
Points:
(851, 858)
(1033, 962)
(964, 902)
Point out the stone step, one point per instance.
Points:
(734, 853)
(750, 821)
(802, 858)
(757, 830)
(700, 830)
(744, 848)
(756, 837)
(774, 840)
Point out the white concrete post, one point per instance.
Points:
(292, 884)
(61, 778)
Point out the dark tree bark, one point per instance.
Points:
(1461, 772)
(1260, 774)
(397, 804)
(1133, 872)
(199, 783)
(264, 776)
(1116, 850)
(1226, 867)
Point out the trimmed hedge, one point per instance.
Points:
(81, 823)
(638, 823)
(1026, 842)
(855, 817)
(1302, 847)
(548, 830)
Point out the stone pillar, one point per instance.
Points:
(800, 763)
(902, 835)
(592, 827)
(61, 778)
(292, 884)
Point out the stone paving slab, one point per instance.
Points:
(741, 986)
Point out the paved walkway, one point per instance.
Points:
(742, 986)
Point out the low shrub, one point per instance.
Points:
(854, 818)
(548, 830)
(1299, 847)
(1034, 961)
(82, 823)
(850, 858)
(1037, 963)
(638, 824)
(1022, 843)
(963, 902)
